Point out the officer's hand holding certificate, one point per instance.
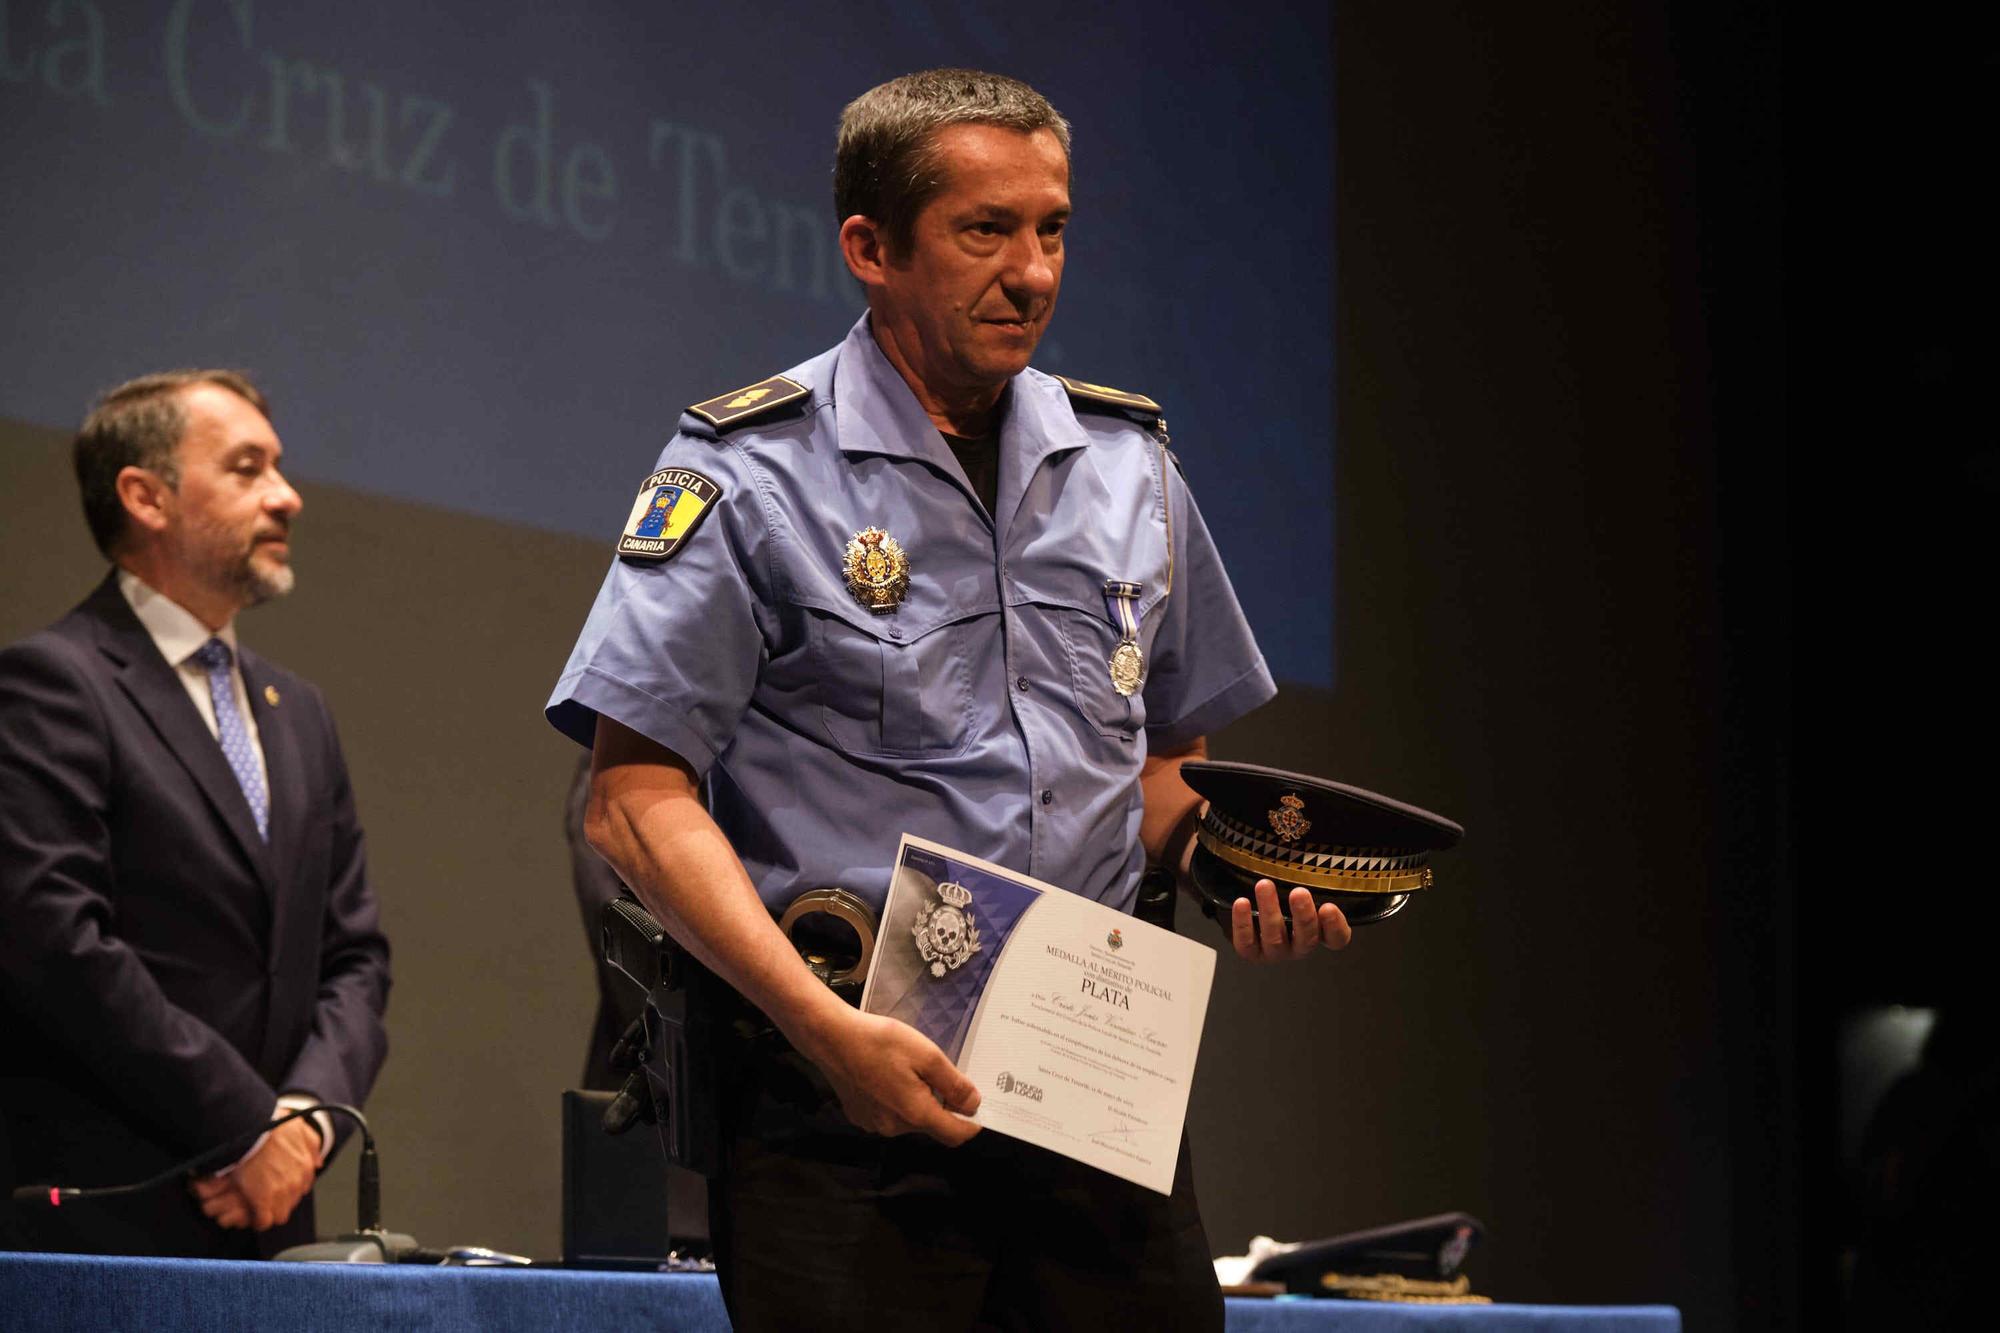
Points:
(1078, 1024)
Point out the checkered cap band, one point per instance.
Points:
(1312, 855)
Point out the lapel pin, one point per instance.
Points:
(271, 695)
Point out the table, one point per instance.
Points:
(60, 1292)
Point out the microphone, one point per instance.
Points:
(388, 1246)
(208, 1158)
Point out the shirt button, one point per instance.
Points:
(1048, 797)
(895, 631)
(1022, 682)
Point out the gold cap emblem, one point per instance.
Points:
(878, 573)
(1287, 821)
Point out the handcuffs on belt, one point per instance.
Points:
(813, 924)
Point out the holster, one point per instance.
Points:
(684, 1063)
(680, 1056)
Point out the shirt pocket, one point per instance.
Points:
(886, 692)
(1089, 642)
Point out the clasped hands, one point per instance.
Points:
(264, 1188)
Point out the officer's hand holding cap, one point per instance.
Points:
(1362, 852)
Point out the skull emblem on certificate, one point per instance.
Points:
(945, 932)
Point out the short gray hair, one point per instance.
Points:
(885, 165)
(140, 424)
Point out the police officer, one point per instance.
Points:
(913, 585)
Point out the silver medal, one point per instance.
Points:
(1128, 667)
(1128, 662)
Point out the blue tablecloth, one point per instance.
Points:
(68, 1292)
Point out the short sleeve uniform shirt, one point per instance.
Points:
(980, 710)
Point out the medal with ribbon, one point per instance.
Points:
(1128, 663)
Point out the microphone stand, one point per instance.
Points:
(368, 1243)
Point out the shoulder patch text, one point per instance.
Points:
(669, 506)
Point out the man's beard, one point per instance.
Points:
(262, 583)
(247, 581)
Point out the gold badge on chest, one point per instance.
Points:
(878, 573)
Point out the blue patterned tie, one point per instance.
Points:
(237, 747)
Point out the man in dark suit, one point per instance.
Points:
(188, 941)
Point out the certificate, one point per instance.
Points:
(1078, 1023)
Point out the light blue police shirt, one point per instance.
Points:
(980, 711)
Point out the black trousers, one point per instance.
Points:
(818, 1225)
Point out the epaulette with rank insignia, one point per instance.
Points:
(733, 409)
(1105, 396)
(1135, 406)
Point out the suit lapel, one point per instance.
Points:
(154, 687)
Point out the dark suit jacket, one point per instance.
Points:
(164, 972)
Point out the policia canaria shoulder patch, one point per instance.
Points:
(671, 503)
